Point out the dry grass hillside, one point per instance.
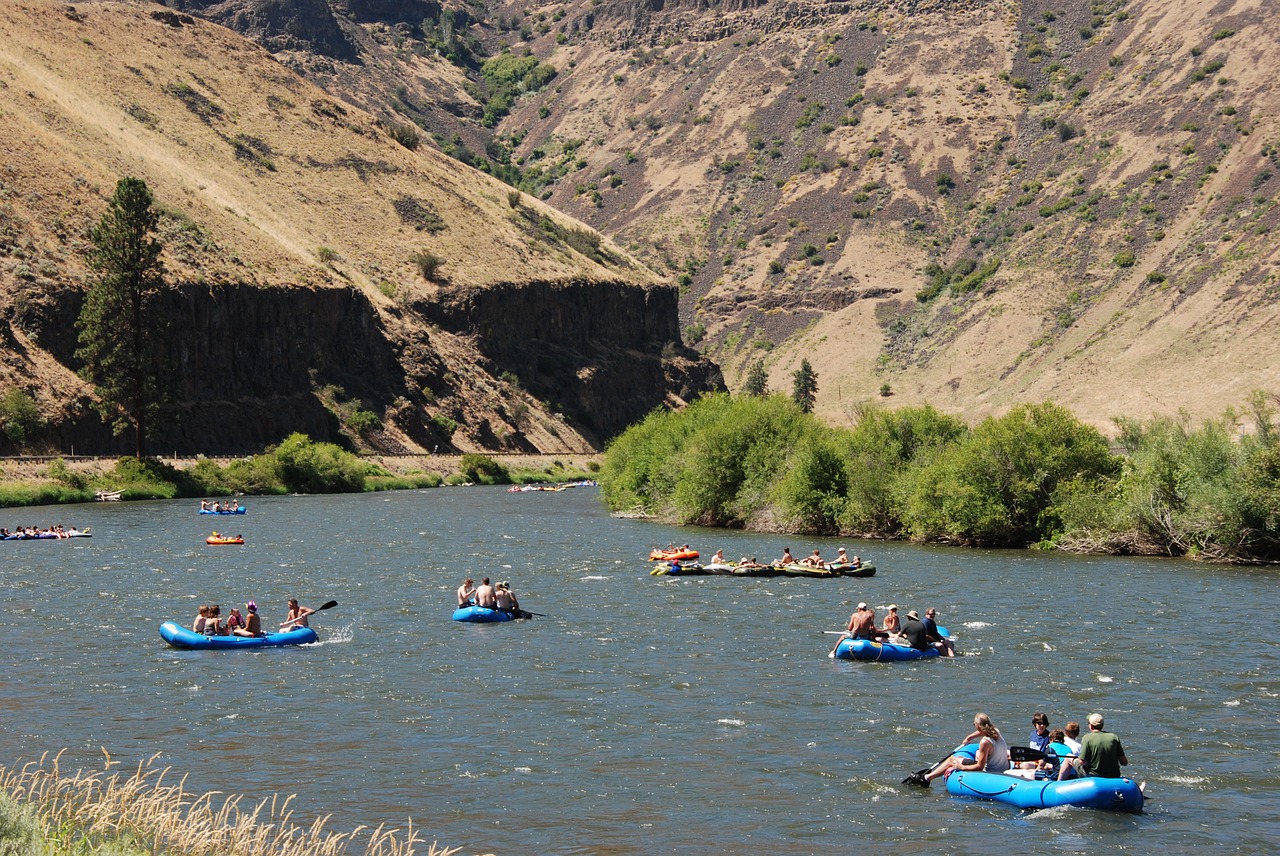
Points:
(1097, 180)
(265, 181)
(1117, 160)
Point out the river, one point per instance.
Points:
(640, 714)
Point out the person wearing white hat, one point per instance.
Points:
(1100, 753)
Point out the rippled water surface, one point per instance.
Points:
(641, 714)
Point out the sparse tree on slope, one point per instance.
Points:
(806, 386)
(120, 325)
(757, 381)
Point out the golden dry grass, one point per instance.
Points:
(146, 812)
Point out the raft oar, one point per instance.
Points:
(329, 605)
(918, 777)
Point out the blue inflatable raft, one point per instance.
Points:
(868, 651)
(1086, 792)
(483, 614)
(241, 510)
(185, 637)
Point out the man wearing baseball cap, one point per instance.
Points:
(1100, 753)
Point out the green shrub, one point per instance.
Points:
(428, 264)
(481, 469)
(19, 416)
(309, 467)
(997, 486)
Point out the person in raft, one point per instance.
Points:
(787, 558)
(814, 560)
(892, 624)
(466, 592)
(253, 624)
(1101, 753)
(506, 599)
(718, 558)
(213, 623)
(297, 616)
(235, 623)
(992, 755)
(486, 595)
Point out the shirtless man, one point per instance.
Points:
(862, 623)
(787, 558)
(466, 591)
(814, 561)
(486, 595)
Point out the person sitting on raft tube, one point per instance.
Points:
(992, 755)
(814, 560)
(787, 558)
(466, 592)
(506, 598)
(486, 595)
(252, 625)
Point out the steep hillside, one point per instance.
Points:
(320, 267)
(964, 203)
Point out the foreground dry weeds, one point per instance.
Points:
(143, 811)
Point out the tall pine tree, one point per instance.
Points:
(120, 325)
(757, 381)
(806, 386)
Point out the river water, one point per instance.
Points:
(641, 714)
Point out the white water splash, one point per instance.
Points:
(1106, 679)
(1235, 702)
(593, 577)
(976, 624)
(1188, 780)
(1047, 646)
(737, 723)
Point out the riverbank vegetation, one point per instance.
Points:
(1036, 476)
(296, 465)
(45, 810)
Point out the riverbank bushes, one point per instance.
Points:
(44, 810)
(296, 465)
(1036, 476)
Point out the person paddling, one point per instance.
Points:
(297, 616)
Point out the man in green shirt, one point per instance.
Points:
(1100, 752)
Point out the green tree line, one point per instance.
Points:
(1036, 476)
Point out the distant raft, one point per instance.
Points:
(883, 652)
(184, 637)
(485, 615)
(241, 510)
(692, 568)
(224, 539)
(670, 555)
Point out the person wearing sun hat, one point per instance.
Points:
(913, 631)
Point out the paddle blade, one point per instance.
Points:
(330, 605)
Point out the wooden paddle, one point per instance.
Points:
(329, 605)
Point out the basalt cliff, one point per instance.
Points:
(327, 275)
(971, 204)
